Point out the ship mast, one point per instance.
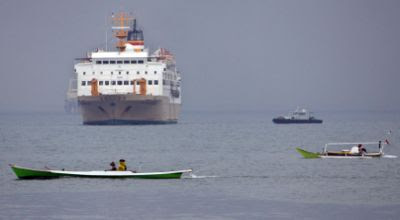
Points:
(121, 26)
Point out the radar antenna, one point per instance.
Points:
(121, 26)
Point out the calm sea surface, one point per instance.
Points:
(245, 167)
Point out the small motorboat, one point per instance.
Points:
(354, 152)
(29, 173)
(299, 116)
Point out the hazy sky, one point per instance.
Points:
(234, 55)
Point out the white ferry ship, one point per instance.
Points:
(128, 85)
(299, 116)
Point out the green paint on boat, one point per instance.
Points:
(307, 154)
(23, 173)
(28, 173)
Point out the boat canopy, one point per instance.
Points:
(354, 143)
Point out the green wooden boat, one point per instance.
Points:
(29, 173)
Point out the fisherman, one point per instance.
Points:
(113, 167)
(361, 149)
(122, 165)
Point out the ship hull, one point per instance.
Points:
(296, 121)
(128, 109)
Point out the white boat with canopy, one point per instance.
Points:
(349, 150)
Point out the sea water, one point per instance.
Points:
(244, 167)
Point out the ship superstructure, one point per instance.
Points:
(129, 85)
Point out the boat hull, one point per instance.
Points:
(296, 121)
(24, 173)
(128, 109)
(28, 173)
(338, 154)
(307, 154)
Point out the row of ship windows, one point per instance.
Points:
(120, 82)
(168, 76)
(120, 72)
(119, 61)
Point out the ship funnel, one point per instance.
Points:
(135, 38)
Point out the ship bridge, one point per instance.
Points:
(130, 69)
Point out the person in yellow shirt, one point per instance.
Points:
(122, 165)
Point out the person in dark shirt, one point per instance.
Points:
(361, 149)
(113, 167)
